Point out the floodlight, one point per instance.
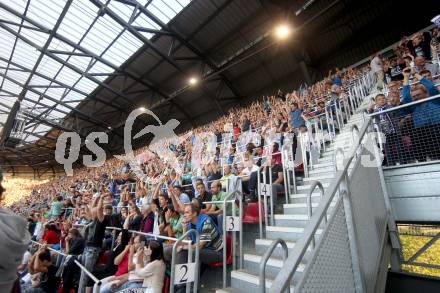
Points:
(193, 81)
(282, 31)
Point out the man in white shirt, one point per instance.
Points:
(377, 70)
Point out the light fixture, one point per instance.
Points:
(193, 81)
(142, 108)
(282, 31)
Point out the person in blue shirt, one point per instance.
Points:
(426, 116)
(296, 119)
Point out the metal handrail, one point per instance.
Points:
(97, 287)
(335, 154)
(265, 258)
(173, 260)
(98, 282)
(309, 196)
(282, 280)
(225, 201)
(429, 99)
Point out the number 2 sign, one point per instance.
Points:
(185, 273)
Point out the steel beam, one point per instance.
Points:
(74, 68)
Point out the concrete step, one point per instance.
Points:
(327, 159)
(321, 170)
(262, 245)
(322, 165)
(273, 266)
(286, 233)
(300, 208)
(230, 290)
(243, 279)
(306, 187)
(321, 178)
(286, 220)
(302, 197)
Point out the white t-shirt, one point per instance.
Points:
(376, 64)
(247, 171)
(26, 256)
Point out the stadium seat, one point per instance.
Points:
(228, 253)
(252, 216)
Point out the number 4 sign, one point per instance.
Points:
(265, 189)
(232, 223)
(185, 273)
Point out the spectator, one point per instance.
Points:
(276, 173)
(147, 221)
(95, 232)
(296, 119)
(56, 208)
(421, 65)
(387, 126)
(216, 210)
(51, 236)
(14, 239)
(395, 70)
(426, 116)
(210, 245)
(178, 191)
(74, 242)
(420, 46)
(204, 196)
(377, 71)
(117, 268)
(227, 177)
(43, 272)
(149, 269)
(134, 218)
(173, 222)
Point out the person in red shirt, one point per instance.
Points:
(51, 235)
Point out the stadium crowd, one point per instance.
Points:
(177, 183)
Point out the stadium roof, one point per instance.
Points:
(84, 65)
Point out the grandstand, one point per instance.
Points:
(219, 146)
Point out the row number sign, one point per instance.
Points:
(184, 273)
(232, 223)
(265, 189)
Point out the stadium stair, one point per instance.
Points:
(290, 225)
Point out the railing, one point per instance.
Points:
(173, 256)
(197, 259)
(360, 259)
(409, 133)
(265, 258)
(97, 286)
(314, 185)
(230, 199)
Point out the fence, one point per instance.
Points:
(231, 224)
(410, 133)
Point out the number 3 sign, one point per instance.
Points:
(185, 273)
(232, 223)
